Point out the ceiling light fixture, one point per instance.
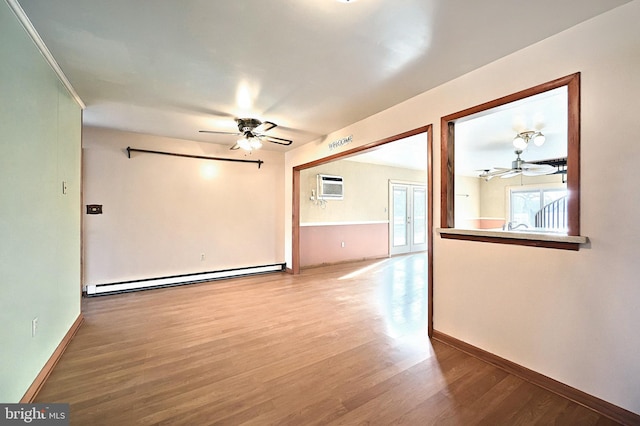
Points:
(522, 139)
(249, 143)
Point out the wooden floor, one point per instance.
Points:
(344, 344)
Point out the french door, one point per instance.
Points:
(407, 217)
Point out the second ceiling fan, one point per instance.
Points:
(253, 134)
(518, 167)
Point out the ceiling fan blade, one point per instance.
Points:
(487, 175)
(273, 139)
(235, 146)
(495, 172)
(510, 174)
(529, 169)
(219, 133)
(492, 169)
(265, 126)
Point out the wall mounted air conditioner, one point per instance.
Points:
(330, 187)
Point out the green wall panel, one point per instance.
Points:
(40, 136)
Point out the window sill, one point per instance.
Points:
(548, 240)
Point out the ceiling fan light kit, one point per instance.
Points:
(522, 139)
(249, 143)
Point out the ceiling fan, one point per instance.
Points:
(252, 131)
(518, 166)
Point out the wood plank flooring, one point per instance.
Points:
(340, 345)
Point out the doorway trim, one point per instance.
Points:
(295, 222)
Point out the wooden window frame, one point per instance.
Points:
(447, 127)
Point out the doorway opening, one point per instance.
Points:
(368, 148)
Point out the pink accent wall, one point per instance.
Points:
(322, 244)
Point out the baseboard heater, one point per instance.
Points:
(176, 280)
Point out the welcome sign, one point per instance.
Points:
(340, 142)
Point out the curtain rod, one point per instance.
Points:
(130, 150)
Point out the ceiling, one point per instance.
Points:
(408, 153)
(171, 68)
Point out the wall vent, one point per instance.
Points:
(330, 187)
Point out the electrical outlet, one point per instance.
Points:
(34, 326)
(342, 244)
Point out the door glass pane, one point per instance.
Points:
(399, 216)
(419, 216)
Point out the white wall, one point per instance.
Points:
(40, 127)
(572, 316)
(162, 212)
